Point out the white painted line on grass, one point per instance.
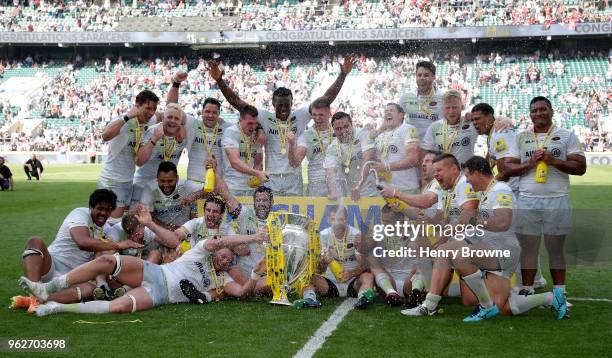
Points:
(589, 299)
(327, 328)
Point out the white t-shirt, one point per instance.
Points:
(421, 111)
(121, 161)
(232, 139)
(337, 155)
(499, 197)
(333, 246)
(561, 143)
(391, 147)
(197, 231)
(196, 146)
(65, 249)
(502, 144)
(315, 152)
(247, 223)
(463, 137)
(195, 266)
(462, 193)
(148, 171)
(276, 162)
(168, 208)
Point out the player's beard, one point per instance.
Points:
(262, 211)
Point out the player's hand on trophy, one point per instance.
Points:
(214, 70)
(347, 65)
(179, 77)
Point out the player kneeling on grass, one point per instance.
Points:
(485, 279)
(154, 285)
(82, 234)
(342, 265)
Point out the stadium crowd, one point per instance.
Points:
(59, 15)
(88, 106)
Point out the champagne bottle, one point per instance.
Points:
(209, 184)
(541, 172)
(254, 182)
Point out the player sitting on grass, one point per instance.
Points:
(342, 265)
(82, 233)
(485, 279)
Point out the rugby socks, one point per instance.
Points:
(368, 293)
(417, 282)
(425, 268)
(521, 304)
(431, 301)
(57, 284)
(383, 281)
(561, 287)
(97, 307)
(477, 284)
(309, 293)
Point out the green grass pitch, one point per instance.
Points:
(254, 328)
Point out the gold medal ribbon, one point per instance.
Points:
(208, 148)
(448, 200)
(168, 149)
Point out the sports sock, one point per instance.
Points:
(98, 307)
(417, 282)
(383, 281)
(57, 284)
(477, 284)
(561, 287)
(521, 304)
(431, 301)
(309, 293)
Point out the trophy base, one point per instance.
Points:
(284, 302)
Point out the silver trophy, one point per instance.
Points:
(291, 255)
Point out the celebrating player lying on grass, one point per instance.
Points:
(203, 267)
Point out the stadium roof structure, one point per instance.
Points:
(249, 38)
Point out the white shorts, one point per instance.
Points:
(122, 190)
(286, 184)
(57, 269)
(344, 288)
(154, 282)
(548, 216)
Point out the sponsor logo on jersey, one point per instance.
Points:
(393, 148)
(466, 141)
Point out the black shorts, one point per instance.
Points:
(332, 290)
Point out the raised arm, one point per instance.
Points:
(296, 153)
(345, 69)
(232, 97)
(166, 237)
(173, 91)
(113, 128)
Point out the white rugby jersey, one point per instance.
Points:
(560, 144)
(421, 111)
(343, 250)
(462, 135)
(199, 138)
(148, 171)
(275, 161)
(233, 139)
(391, 147)
(316, 144)
(168, 208)
(65, 249)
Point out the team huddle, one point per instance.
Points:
(141, 244)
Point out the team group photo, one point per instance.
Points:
(347, 178)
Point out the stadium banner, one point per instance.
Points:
(363, 214)
(348, 35)
(595, 158)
